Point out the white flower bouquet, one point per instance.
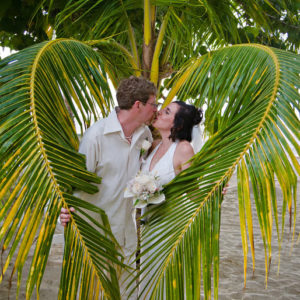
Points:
(145, 189)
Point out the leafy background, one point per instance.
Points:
(168, 49)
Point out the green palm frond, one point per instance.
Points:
(189, 27)
(251, 92)
(123, 64)
(39, 146)
(88, 19)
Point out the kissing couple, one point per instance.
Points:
(113, 145)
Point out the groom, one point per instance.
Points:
(112, 149)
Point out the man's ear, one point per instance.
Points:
(137, 104)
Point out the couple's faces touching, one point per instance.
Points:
(165, 117)
(162, 119)
(148, 110)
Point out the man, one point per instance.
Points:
(112, 148)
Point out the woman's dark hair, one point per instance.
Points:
(185, 119)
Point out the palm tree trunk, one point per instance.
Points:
(149, 38)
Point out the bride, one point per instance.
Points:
(169, 157)
(170, 154)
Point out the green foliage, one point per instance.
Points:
(251, 92)
(24, 23)
(39, 150)
(211, 23)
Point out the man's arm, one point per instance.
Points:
(89, 148)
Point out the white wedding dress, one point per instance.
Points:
(164, 168)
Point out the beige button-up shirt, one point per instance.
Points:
(116, 161)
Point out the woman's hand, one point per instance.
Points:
(64, 216)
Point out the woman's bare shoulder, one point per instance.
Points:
(185, 147)
(184, 152)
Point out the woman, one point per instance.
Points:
(169, 157)
(171, 154)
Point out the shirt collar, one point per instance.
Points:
(112, 123)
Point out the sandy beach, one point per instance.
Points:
(286, 285)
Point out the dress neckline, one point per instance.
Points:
(153, 153)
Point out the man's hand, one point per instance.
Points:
(65, 216)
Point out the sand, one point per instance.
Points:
(286, 285)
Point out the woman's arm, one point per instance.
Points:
(183, 153)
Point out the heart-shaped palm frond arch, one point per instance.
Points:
(251, 92)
